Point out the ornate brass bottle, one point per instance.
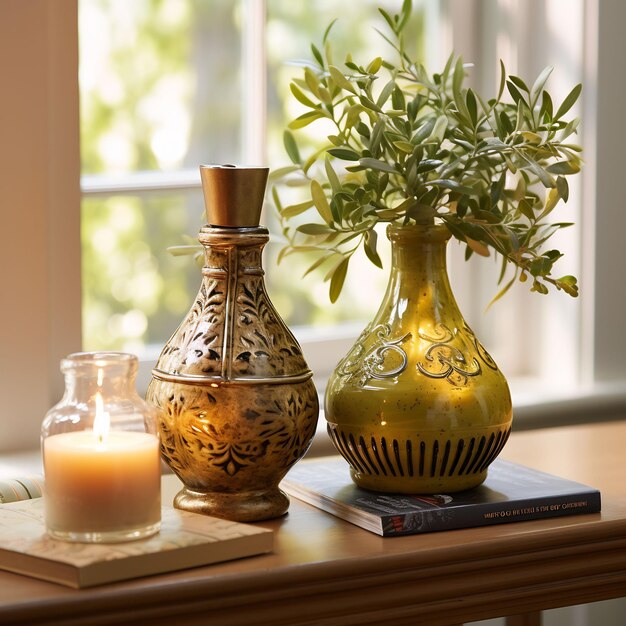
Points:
(418, 405)
(236, 403)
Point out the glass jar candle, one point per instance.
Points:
(101, 454)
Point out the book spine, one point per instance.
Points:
(24, 488)
(486, 514)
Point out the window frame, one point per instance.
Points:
(41, 270)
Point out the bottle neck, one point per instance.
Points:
(233, 250)
(419, 250)
(418, 283)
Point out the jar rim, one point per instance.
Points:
(100, 360)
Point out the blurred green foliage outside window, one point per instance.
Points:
(161, 92)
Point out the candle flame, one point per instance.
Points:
(102, 421)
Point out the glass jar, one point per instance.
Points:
(101, 454)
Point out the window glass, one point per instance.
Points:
(161, 90)
(134, 291)
(159, 83)
(291, 28)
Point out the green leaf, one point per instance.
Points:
(563, 167)
(540, 172)
(502, 292)
(332, 175)
(526, 209)
(344, 154)
(457, 78)
(312, 81)
(314, 229)
(327, 31)
(562, 187)
(513, 90)
(477, 247)
(404, 146)
(385, 93)
(371, 240)
(305, 119)
(546, 105)
(405, 14)
(337, 280)
(519, 83)
(375, 164)
(428, 165)
(388, 19)
(423, 131)
(551, 201)
(539, 287)
(439, 129)
(318, 56)
(569, 101)
(325, 96)
(184, 250)
(296, 209)
(470, 101)
(374, 66)
(280, 172)
(291, 147)
(452, 185)
(539, 83)
(502, 80)
(506, 123)
(276, 199)
(569, 284)
(297, 92)
(320, 202)
(340, 80)
(319, 262)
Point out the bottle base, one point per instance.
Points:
(237, 507)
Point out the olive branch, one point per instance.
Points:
(409, 147)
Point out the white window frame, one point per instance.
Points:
(40, 255)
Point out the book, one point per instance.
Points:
(186, 540)
(23, 488)
(511, 493)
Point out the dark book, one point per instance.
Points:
(511, 493)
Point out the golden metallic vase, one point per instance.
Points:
(418, 405)
(236, 402)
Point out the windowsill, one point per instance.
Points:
(535, 406)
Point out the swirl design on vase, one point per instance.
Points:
(445, 360)
(362, 364)
(485, 357)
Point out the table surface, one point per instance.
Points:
(327, 571)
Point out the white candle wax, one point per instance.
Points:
(102, 485)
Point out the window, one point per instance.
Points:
(150, 195)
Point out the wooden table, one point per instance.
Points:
(327, 572)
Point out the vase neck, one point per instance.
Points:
(418, 294)
(233, 250)
(419, 250)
